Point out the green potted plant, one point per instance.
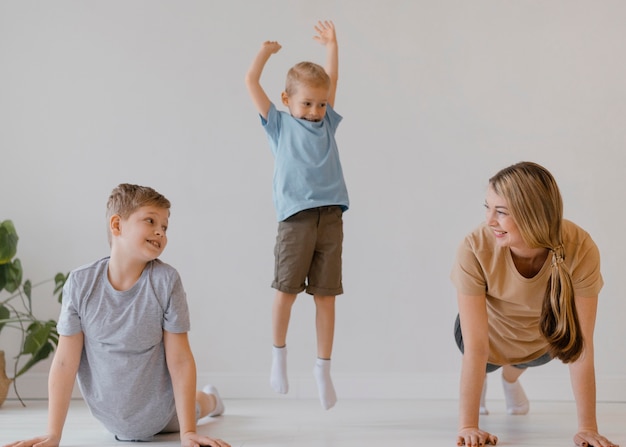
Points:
(38, 338)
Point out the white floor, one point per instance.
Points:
(352, 423)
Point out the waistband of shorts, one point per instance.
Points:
(323, 208)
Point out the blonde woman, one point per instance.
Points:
(527, 283)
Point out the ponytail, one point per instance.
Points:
(559, 319)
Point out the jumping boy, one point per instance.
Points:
(123, 333)
(310, 197)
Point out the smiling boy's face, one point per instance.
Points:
(307, 102)
(143, 234)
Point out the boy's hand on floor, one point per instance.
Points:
(39, 441)
(196, 440)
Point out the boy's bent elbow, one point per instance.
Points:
(251, 82)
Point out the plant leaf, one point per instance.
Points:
(28, 287)
(37, 336)
(3, 275)
(8, 241)
(59, 282)
(42, 353)
(13, 275)
(4, 315)
(40, 342)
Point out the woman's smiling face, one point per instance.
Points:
(502, 224)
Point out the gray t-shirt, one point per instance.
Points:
(123, 375)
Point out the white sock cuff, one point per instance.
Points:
(324, 364)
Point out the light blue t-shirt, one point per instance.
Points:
(122, 374)
(307, 170)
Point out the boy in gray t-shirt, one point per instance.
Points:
(123, 334)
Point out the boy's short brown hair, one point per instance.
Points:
(308, 73)
(126, 198)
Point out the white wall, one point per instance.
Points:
(436, 97)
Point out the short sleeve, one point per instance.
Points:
(333, 117)
(176, 314)
(586, 276)
(467, 274)
(69, 319)
(271, 125)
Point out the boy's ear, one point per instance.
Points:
(115, 224)
(284, 98)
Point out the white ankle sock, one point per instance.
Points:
(515, 397)
(325, 387)
(483, 408)
(219, 404)
(278, 375)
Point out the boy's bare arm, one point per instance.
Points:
(61, 380)
(253, 77)
(182, 368)
(326, 36)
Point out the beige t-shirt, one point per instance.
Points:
(513, 301)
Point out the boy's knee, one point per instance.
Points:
(324, 300)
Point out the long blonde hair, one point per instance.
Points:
(536, 205)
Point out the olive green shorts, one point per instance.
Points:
(308, 252)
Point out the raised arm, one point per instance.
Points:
(253, 77)
(473, 315)
(582, 374)
(326, 36)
